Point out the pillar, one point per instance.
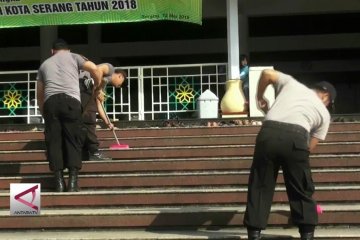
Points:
(48, 34)
(233, 101)
(233, 39)
(94, 40)
(243, 34)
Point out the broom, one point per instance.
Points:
(116, 145)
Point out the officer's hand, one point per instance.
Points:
(100, 95)
(263, 105)
(111, 126)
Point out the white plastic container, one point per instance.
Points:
(208, 105)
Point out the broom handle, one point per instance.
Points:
(113, 130)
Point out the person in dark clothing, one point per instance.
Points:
(292, 128)
(91, 107)
(58, 96)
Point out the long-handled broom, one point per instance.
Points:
(116, 145)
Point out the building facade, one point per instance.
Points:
(312, 40)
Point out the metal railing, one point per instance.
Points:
(152, 92)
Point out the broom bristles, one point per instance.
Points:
(119, 146)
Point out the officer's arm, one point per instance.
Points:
(104, 69)
(94, 71)
(97, 75)
(313, 142)
(102, 114)
(268, 76)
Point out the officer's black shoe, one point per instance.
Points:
(254, 234)
(307, 236)
(59, 181)
(98, 156)
(73, 180)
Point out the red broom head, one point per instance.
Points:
(118, 146)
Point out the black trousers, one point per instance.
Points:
(286, 146)
(63, 132)
(91, 142)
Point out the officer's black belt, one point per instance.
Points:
(286, 127)
(62, 96)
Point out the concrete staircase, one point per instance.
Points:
(175, 183)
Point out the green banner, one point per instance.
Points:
(23, 13)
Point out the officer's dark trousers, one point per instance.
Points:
(286, 146)
(63, 132)
(91, 142)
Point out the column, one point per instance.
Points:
(233, 101)
(94, 40)
(243, 33)
(233, 39)
(48, 34)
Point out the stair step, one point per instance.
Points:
(168, 141)
(171, 179)
(174, 164)
(138, 153)
(181, 152)
(179, 196)
(142, 132)
(173, 141)
(175, 131)
(180, 216)
(329, 233)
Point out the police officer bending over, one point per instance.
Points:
(292, 127)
